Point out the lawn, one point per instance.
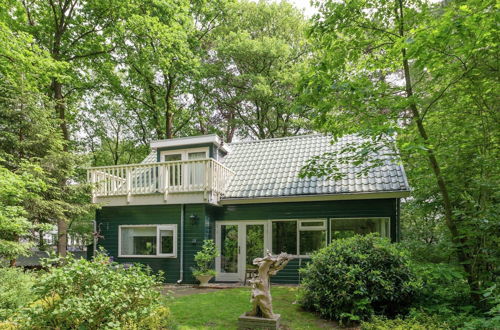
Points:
(221, 309)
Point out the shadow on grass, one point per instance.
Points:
(221, 309)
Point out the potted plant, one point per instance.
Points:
(204, 261)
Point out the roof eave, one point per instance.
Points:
(190, 140)
(311, 198)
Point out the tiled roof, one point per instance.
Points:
(270, 168)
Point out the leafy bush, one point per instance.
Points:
(205, 259)
(381, 323)
(15, 290)
(444, 289)
(92, 295)
(354, 278)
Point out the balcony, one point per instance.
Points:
(189, 181)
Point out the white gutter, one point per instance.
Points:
(181, 271)
(94, 223)
(316, 198)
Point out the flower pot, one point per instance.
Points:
(204, 279)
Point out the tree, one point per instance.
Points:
(76, 33)
(15, 190)
(428, 75)
(249, 77)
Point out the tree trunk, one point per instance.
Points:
(231, 128)
(62, 226)
(458, 241)
(169, 115)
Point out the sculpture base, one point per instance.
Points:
(252, 322)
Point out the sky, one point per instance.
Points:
(305, 5)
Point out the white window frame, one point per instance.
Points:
(311, 228)
(298, 230)
(184, 153)
(158, 247)
(386, 220)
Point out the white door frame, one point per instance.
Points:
(242, 231)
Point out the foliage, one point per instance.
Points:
(93, 294)
(15, 291)
(409, 323)
(34, 63)
(426, 74)
(205, 258)
(355, 278)
(444, 289)
(16, 190)
(247, 80)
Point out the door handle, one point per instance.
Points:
(239, 249)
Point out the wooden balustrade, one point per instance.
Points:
(201, 175)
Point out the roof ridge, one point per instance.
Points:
(277, 139)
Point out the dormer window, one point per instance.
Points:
(193, 172)
(184, 154)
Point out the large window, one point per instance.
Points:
(147, 241)
(312, 236)
(298, 237)
(348, 227)
(284, 237)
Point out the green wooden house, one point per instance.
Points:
(247, 196)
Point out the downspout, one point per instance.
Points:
(181, 271)
(94, 223)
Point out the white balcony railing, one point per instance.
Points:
(201, 175)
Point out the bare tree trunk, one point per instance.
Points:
(169, 115)
(62, 226)
(231, 128)
(458, 241)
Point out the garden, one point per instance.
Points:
(359, 282)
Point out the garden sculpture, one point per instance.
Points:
(261, 294)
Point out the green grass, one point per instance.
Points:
(221, 309)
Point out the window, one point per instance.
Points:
(148, 241)
(284, 237)
(298, 237)
(312, 236)
(175, 170)
(343, 228)
(191, 173)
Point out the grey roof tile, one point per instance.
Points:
(270, 168)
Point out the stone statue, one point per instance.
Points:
(261, 294)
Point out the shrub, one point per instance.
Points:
(444, 289)
(93, 295)
(381, 323)
(205, 259)
(354, 278)
(15, 290)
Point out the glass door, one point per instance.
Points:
(254, 244)
(227, 241)
(239, 243)
(174, 170)
(197, 170)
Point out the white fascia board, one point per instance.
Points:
(190, 140)
(313, 198)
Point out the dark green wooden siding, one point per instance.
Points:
(109, 218)
(305, 210)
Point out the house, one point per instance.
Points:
(247, 196)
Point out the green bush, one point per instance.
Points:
(205, 259)
(444, 289)
(15, 290)
(355, 278)
(427, 323)
(94, 295)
